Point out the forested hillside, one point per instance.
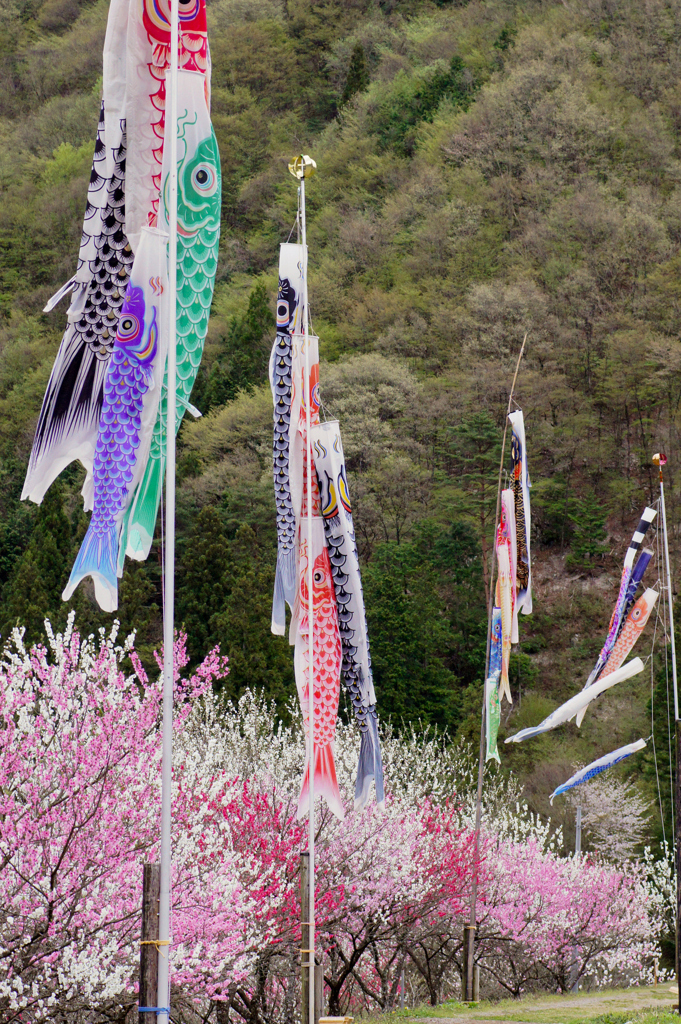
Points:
(485, 169)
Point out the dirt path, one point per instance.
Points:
(553, 1009)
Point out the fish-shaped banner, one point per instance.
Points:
(132, 390)
(326, 666)
(567, 711)
(495, 643)
(289, 316)
(624, 593)
(596, 767)
(198, 234)
(148, 61)
(629, 634)
(492, 716)
(327, 449)
(508, 517)
(521, 497)
(69, 418)
(637, 572)
(505, 595)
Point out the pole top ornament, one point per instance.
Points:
(660, 459)
(302, 167)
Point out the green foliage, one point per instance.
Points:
(588, 545)
(244, 352)
(425, 617)
(358, 74)
(414, 99)
(257, 659)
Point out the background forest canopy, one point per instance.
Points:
(485, 169)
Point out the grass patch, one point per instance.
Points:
(615, 1006)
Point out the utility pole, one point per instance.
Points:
(151, 890)
(306, 951)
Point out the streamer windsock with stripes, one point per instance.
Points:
(596, 767)
(622, 598)
(570, 708)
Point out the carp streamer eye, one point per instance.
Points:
(128, 327)
(188, 9)
(318, 576)
(204, 179)
(282, 313)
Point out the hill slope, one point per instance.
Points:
(485, 169)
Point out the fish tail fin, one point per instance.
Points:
(325, 781)
(97, 558)
(370, 767)
(284, 589)
(141, 521)
(504, 683)
(278, 626)
(580, 715)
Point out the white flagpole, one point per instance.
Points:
(310, 603)
(659, 461)
(163, 994)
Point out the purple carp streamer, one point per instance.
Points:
(132, 389)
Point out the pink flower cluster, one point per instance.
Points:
(79, 814)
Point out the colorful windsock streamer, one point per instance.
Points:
(505, 592)
(623, 597)
(339, 531)
(289, 318)
(566, 712)
(596, 767)
(198, 225)
(492, 716)
(340, 640)
(132, 389)
(521, 497)
(629, 634)
(90, 402)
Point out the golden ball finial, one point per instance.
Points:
(302, 166)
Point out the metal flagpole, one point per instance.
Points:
(310, 601)
(304, 167)
(660, 460)
(163, 995)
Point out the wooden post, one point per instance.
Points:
(151, 892)
(468, 972)
(305, 948)
(305, 937)
(318, 990)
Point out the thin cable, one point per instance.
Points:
(665, 600)
(652, 718)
